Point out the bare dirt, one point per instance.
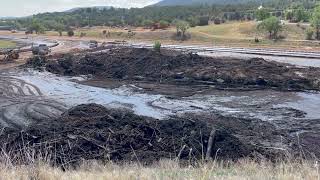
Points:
(172, 67)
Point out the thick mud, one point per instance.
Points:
(92, 131)
(187, 69)
(248, 123)
(22, 103)
(155, 106)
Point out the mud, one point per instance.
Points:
(173, 67)
(92, 131)
(22, 104)
(170, 102)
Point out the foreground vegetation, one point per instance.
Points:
(245, 169)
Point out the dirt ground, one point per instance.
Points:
(171, 67)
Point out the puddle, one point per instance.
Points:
(266, 105)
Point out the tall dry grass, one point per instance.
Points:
(166, 169)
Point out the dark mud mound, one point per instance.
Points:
(91, 131)
(190, 69)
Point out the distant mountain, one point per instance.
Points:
(2, 18)
(93, 7)
(193, 2)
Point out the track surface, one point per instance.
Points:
(23, 103)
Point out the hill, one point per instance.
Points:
(193, 2)
(93, 7)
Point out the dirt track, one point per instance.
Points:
(22, 104)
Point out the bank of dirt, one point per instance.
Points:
(146, 65)
(91, 131)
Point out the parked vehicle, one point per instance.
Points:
(93, 44)
(41, 49)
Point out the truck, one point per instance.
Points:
(41, 49)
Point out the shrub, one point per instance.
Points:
(163, 24)
(36, 62)
(157, 46)
(70, 33)
(309, 34)
(82, 34)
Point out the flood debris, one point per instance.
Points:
(93, 132)
(172, 67)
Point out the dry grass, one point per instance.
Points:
(244, 169)
(230, 30)
(7, 44)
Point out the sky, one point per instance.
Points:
(18, 8)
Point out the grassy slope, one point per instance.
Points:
(167, 170)
(229, 34)
(7, 44)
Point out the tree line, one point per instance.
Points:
(194, 15)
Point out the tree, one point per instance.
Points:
(59, 28)
(288, 14)
(262, 14)
(182, 27)
(36, 26)
(300, 14)
(315, 21)
(272, 25)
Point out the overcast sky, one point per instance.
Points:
(29, 7)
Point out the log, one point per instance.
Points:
(210, 144)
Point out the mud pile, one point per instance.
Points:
(188, 69)
(91, 131)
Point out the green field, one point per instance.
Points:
(7, 44)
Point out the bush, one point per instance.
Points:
(193, 21)
(70, 33)
(82, 34)
(36, 62)
(309, 34)
(157, 46)
(163, 24)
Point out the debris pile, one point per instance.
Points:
(187, 69)
(91, 131)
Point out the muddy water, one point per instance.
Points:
(28, 96)
(22, 103)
